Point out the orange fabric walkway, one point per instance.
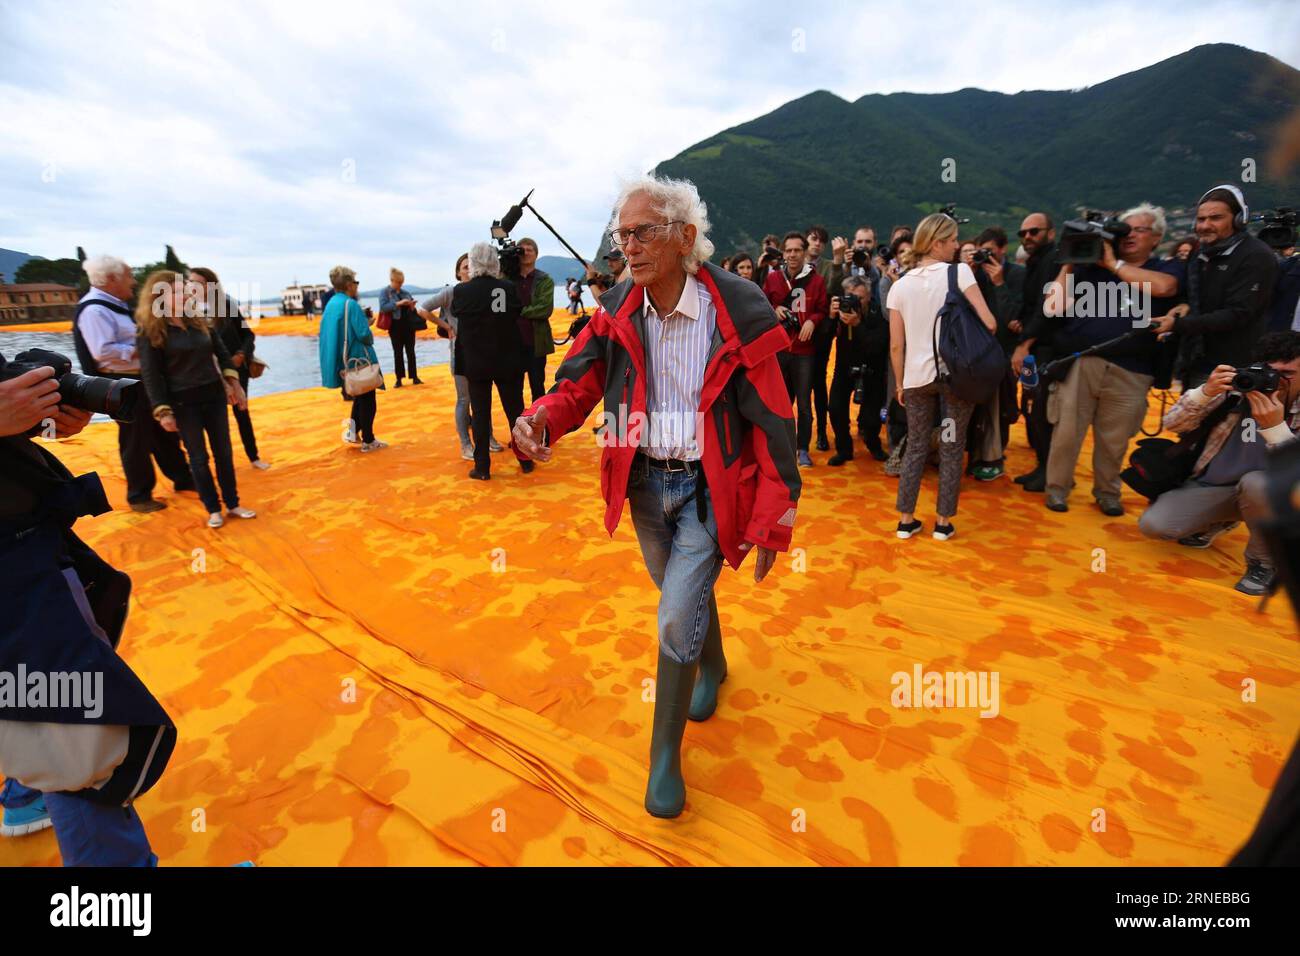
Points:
(499, 643)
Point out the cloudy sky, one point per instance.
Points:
(273, 140)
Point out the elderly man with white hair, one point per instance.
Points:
(489, 317)
(1107, 391)
(104, 336)
(698, 437)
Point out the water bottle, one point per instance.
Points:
(1029, 372)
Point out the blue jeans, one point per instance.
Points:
(89, 833)
(681, 554)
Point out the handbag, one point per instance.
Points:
(385, 321)
(1159, 465)
(359, 375)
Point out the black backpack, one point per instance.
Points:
(976, 363)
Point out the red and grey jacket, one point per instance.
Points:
(747, 449)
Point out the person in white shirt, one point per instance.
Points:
(914, 302)
(104, 335)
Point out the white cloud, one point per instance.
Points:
(224, 130)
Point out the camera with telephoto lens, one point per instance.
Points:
(1279, 230)
(1259, 377)
(981, 257)
(790, 322)
(115, 397)
(1082, 239)
(859, 375)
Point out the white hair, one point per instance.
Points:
(483, 260)
(1157, 214)
(674, 199)
(101, 269)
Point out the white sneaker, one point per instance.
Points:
(373, 445)
(215, 520)
(241, 512)
(495, 445)
(467, 452)
(261, 465)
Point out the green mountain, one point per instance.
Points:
(1163, 134)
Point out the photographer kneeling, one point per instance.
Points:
(80, 735)
(861, 360)
(1227, 481)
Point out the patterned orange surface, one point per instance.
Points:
(500, 645)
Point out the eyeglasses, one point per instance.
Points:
(644, 233)
(1029, 232)
(1142, 229)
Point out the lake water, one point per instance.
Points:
(293, 359)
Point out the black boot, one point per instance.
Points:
(1036, 480)
(713, 669)
(665, 792)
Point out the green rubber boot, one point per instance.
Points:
(665, 792)
(713, 669)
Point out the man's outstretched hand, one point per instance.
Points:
(529, 433)
(763, 562)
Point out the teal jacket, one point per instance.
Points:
(360, 338)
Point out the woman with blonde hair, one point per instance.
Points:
(914, 302)
(179, 359)
(402, 325)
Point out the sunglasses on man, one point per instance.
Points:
(1034, 231)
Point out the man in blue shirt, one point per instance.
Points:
(1107, 392)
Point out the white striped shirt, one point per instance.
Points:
(676, 353)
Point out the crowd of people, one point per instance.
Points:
(1106, 335)
(728, 367)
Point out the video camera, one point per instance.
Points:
(1081, 239)
(950, 210)
(115, 397)
(1279, 230)
(508, 251)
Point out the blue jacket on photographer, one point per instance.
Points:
(81, 737)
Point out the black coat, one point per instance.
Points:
(487, 332)
(1231, 308)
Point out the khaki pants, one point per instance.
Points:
(1110, 399)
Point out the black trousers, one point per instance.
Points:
(402, 336)
(209, 418)
(841, 398)
(823, 339)
(142, 442)
(536, 378)
(1033, 405)
(510, 390)
(364, 408)
(245, 420)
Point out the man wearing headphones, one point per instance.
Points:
(1229, 286)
